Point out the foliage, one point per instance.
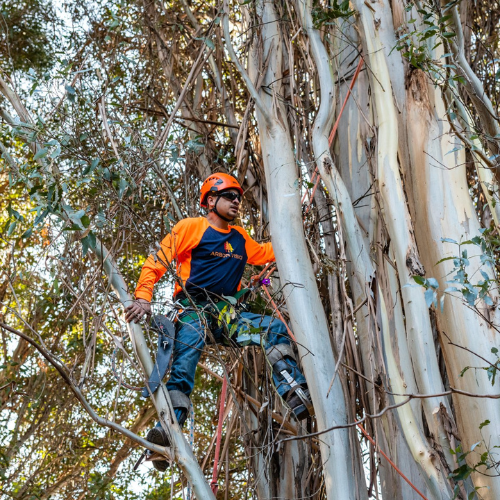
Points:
(28, 31)
(324, 15)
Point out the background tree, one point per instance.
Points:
(112, 115)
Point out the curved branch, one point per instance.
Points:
(232, 54)
(409, 397)
(81, 398)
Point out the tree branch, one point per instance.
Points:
(81, 398)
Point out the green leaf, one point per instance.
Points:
(14, 213)
(122, 187)
(494, 350)
(444, 18)
(41, 153)
(230, 299)
(470, 297)
(12, 228)
(491, 371)
(429, 296)
(56, 151)
(475, 445)
(90, 168)
(448, 240)
(433, 282)
(73, 227)
(487, 300)
(463, 472)
(27, 233)
(464, 370)
(484, 424)
(85, 221)
(419, 280)
(88, 242)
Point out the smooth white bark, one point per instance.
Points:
(446, 211)
(356, 247)
(303, 301)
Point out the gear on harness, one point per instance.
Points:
(209, 306)
(282, 360)
(166, 336)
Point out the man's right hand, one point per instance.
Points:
(135, 311)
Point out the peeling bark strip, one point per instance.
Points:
(413, 263)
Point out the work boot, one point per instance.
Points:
(300, 405)
(158, 436)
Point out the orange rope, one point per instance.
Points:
(316, 179)
(214, 485)
(332, 136)
(396, 468)
(354, 78)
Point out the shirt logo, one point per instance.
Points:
(228, 248)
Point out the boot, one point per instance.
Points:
(286, 372)
(158, 436)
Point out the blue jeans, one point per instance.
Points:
(252, 329)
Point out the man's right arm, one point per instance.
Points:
(185, 235)
(152, 271)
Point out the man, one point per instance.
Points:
(210, 259)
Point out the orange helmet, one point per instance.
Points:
(216, 183)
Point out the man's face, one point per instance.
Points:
(226, 207)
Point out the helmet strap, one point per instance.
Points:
(216, 212)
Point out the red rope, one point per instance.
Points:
(292, 336)
(396, 468)
(280, 316)
(332, 136)
(314, 178)
(354, 78)
(214, 485)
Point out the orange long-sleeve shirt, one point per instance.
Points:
(206, 258)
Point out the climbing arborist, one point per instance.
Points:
(210, 257)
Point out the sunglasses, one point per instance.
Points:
(231, 195)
